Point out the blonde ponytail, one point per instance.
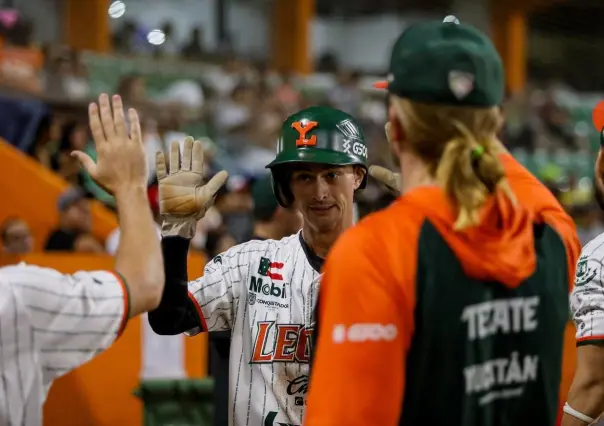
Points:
(460, 148)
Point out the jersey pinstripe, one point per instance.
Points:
(587, 296)
(51, 323)
(265, 292)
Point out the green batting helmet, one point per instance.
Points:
(318, 135)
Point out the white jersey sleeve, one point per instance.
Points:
(214, 291)
(71, 318)
(587, 296)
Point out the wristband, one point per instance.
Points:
(572, 412)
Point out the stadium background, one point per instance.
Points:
(229, 71)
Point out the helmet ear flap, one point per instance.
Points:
(281, 188)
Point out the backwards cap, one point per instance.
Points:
(446, 63)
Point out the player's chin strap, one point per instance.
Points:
(572, 412)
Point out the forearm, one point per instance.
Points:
(139, 256)
(175, 313)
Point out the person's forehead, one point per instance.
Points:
(315, 167)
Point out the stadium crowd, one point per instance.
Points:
(235, 107)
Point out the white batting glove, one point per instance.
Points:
(183, 199)
(391, 180)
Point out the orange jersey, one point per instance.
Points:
(420, 324)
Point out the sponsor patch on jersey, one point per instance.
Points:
(584, 273)
(364, 332)
(270, 269)
(268, 288)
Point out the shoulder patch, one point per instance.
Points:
(584, 273)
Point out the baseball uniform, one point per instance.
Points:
(265, 292)
(51, 323)
(587, 297)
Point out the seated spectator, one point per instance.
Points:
(74, 137)
(16, 236)
(193, 49)
(73, 233)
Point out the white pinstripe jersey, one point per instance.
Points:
(587, 296)
(265, 292)
(51, 323)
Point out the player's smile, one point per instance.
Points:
(321, 210)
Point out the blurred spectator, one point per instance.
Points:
(46, 141)
(16, 236)
(74, 136)
(132, 89)
(235, 112)
(219, 241)
(76, 82)
(271, 221)
(20, 33)
(588, 218)
(169, 47)
(234, 203)
(346, 95)
(555, 128)
(193, 49)
(288, 95)
(74, 228)
(124, 39)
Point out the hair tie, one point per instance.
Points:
(477, 152)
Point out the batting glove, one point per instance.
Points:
(183, 199)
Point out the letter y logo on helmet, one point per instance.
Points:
(303, 127)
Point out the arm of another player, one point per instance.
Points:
(204, 304)
(185, 306)
(358, 370)
(121, 168)
(586, 394)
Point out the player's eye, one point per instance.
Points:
(303, 177)
(333, 175)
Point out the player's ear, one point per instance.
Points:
(359, 175)
(394, 130)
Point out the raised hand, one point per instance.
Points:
(183, 199)
(121, 161)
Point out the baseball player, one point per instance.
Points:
(264, 291)
(449, 306)
(586, 394)
(51, 323)
(271, 221)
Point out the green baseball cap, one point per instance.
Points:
(446, 63)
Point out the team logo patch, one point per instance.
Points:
(268, 269)
(584, 273)
(251, 298)
(350, 131)
(461, 83)
(303, 127)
